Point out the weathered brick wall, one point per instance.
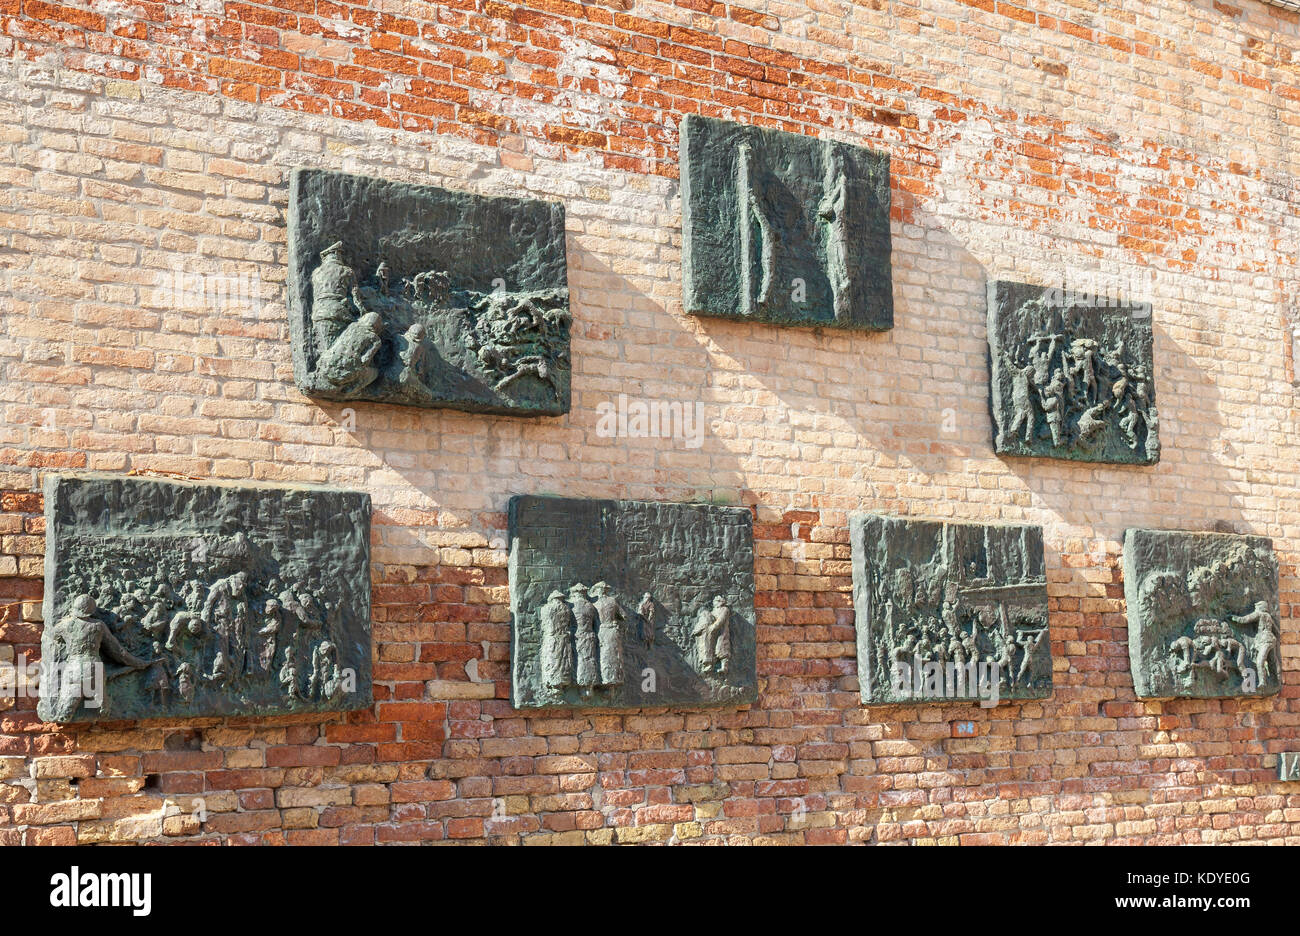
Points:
(1144, 147)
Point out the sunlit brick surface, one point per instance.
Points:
(1139, 148)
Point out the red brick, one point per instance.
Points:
(302, 755)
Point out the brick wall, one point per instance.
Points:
(1145, 148)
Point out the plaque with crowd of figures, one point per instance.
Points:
(1072, 375)
(949, 611)
(170, 598)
